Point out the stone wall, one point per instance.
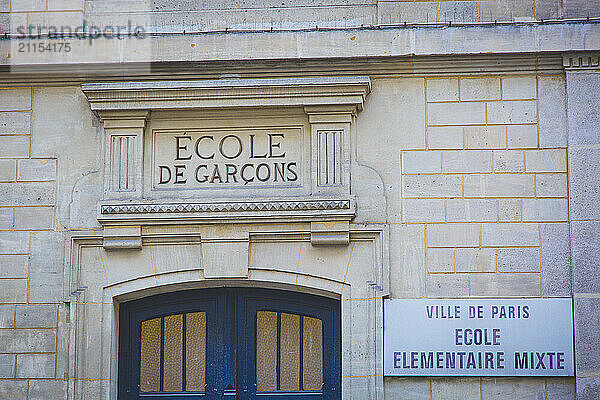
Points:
(474, 169)
(180, 15)
(31, 259)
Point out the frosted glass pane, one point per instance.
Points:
(312, 357)
(289, 363)
(266, 351)
(150, 356)
(173, 367)
(195, 351)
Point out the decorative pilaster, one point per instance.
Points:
(124, 152)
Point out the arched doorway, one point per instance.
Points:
(238, 343)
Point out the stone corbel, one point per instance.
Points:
(124, 135)
(122, 237)
(335, 233)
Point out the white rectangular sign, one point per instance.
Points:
(499, 337)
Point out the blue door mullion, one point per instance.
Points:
(278, 347)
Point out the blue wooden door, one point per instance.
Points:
(236, 343)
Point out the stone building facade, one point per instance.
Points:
(357, 151)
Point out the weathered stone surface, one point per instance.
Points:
(545, 210)
(587, 341)
(27, 340)
(35, 365)
(555, 256)
(7, 316)
(560, 388)
(445, 137)
(36, 316)
(46, 267)
(27, 193)
(584, 121)
(79, 171)
(475, 260)
(13, 291)
(522, 136)
(15, 122)
(552, 105)
(467, 161)
(509, 210)
(36, 170)
(34, 218)
(44, 389)
(508, 234)
(14, 146)
(499, 185)
(551, 185)
(432, 186)
(15, 99)
(7, 366)
(584, 183)
(485, 137)
(447, 285)
(6, 218)
(7, 170)
(509, 161)
(455, 388)
(415, 162)
(519, 88)
(456, 113)
(525, 259)
(552, 160)
(440, 260)
(588, 388)
(13, 389)
(479, 89)
(447, 235)
(442, 89)
(585, 256)
(513, 388)
(520, 284)
(423, 210)
(407, 261)
(407, 388)
(511, 112)
(471, 210)
(14, 242)
(14, 266)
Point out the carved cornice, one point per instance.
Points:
(581, 61)
(228, 93)
(194, 212)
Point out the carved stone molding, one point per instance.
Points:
(581, 61)
(227, 211)
(228, 93)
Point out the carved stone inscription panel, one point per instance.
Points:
(227, 158)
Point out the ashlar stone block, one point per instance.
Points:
(512, 112)
(479, 89)
(35, 365)
(453, 235)
(445, 137)
(440, 260)
(475, 260)
(510, 234)
(509, 161)
(447, 285)
(526, 259)
(505, 284)
(485, 137)
(519, 88)
(443, 89)
(36, 316)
